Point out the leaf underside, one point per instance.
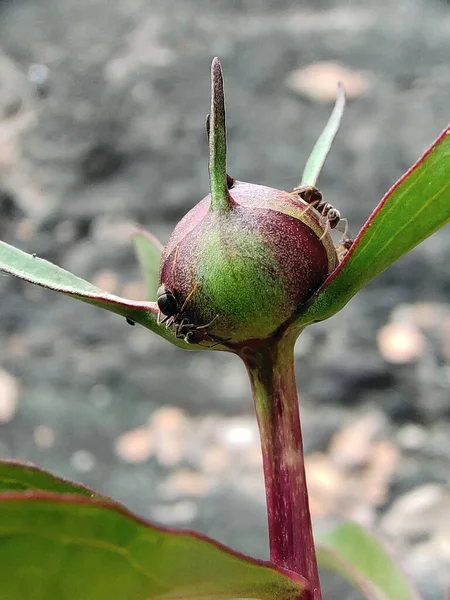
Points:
(41, 272)
(413, 209)
(360, 558)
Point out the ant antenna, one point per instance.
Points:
(207, 324)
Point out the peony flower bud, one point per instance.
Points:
(239, 264)
(246, 270)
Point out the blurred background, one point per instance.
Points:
(102, 110)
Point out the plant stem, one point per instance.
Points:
(271, 370)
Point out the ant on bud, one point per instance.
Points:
(173, 317)
(169, 306)
(345, 243)
(313, 197)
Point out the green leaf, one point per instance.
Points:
(76, 548)
(323, 145)
(357, 556)
(19, 477)
(413, 209)
(148, 250)
(41, 272)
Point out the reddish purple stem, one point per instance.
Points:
(272, 376)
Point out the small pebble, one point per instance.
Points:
(411, 437)
(44, 436)
(9, 395)
(135, 446)
(215, 459)
(400, 343)
(106, 280)
(178, 513)
(417, 513)
(240, 435)
(135, 290)
(185, 483)
(168, 419)
(83, 461)
(39, 76)
(352, 446)
(318, 82)
(168, 426)
(100, 395)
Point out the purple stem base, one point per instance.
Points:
(271, 370)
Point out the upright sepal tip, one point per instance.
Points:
(220, 196)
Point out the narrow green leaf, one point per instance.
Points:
(323, 145)
(357, 556)
(20, 477)
(413, 209)
(217, 137)
(82, 549)
(41, 272)
(148, 250)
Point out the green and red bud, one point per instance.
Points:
(241, 262)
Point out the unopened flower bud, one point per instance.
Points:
(242, 261)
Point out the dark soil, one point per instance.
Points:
(102, 109)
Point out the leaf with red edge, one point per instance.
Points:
(413, 209)
(358, 556)
(16, 476)
(41, 272)
(77, 548)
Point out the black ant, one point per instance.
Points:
(345, 243)
(173, 317)
(195, 334)
(312, 196)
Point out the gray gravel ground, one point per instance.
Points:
(102, 107)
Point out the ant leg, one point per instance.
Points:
(213, 345)
(309, 207)
(346, 239)
(218, 341)
(187, 326)
(207, 324)
(160, 321)
(344, 230)
(326, 229)
(170, 321)
(177, 328)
